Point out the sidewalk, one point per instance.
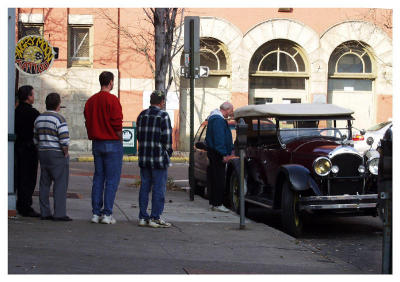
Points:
(199, 242)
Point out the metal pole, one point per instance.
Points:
(242, 223)
(11, 108)
(387, 231)
(191, 157)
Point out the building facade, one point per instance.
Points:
(266, 55)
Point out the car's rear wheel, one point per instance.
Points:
(290, 216)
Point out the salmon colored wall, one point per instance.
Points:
(132, 104)
(132, 63)
(239, 99)
(175, 131)
(384, 106)
(319, 19)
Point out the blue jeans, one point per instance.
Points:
(107, 172)
(158, 179)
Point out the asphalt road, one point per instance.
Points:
(356, 240)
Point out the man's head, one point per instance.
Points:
(106, 79)
(226, 109)
(53, 102)
(157, 98)
(26, 94)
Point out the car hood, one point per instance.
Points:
(313, 146)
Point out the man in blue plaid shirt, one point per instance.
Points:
(154, 134)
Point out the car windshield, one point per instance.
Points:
(290, 130)
(378, 126)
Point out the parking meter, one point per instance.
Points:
(241, 142)
(385, 198)
(241, 134)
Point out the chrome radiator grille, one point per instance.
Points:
(347, 180)
(348, 164)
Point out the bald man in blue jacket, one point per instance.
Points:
(219, 151)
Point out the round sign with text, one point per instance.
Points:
(33, 55)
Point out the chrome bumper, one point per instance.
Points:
(342, 202)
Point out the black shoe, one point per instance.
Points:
(30, 213)
(64, 218)
(49, 217)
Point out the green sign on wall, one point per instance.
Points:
(129, 140)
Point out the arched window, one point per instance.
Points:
(351, 68)
(278, 64)
(213, 53)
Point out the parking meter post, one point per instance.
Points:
(387, 234)
(385, 188)
(191, 157)
(242, 220)
(241, 133)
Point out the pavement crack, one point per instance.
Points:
(122, 211)
(179, 229)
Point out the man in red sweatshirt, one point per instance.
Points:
(103, 115)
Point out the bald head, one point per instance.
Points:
(226, 109)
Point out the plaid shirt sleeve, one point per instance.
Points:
(166, 134)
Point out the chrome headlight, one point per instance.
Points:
(373, 166)
(322, 166)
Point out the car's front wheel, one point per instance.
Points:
(290, 217)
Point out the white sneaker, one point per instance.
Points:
(162, 223)
(153, 223)
(108, 219)
(220, 208)
(95, 218)
(158, 223)
(143, 222)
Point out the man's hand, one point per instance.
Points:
(65, 151)
(119, 134)
(227, 158)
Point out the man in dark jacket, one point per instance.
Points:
(219, 151)
(26, 156)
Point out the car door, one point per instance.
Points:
(200, 155)
(269, 155)
(254, 162)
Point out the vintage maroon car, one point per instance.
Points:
(300, 159)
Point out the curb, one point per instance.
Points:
(133, 159)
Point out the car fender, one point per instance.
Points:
(299, 178)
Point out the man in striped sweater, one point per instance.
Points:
(52, 138)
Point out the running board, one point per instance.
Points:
(258, 203)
